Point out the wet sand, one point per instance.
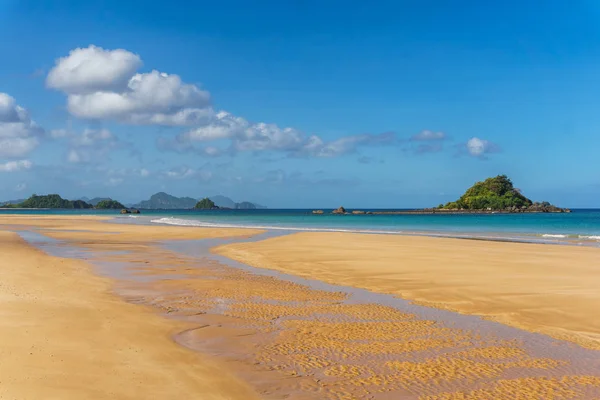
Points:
(293, 338)
(64, 335)
(541, 288)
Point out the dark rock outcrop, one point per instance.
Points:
(340, 210)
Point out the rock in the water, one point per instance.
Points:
(358, 212)
(340, 210)
(135, 212)
(124, 211)
(317, 212)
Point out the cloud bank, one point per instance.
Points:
(19, 135)
(104, 84)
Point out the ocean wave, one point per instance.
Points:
(203, 224)
(543, 238)
(591, 237)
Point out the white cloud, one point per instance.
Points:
(315, 146)
(144, 173)
(428, 135)
(247, 136)
(15, 166)
(114, 181)
(185, 172)
(93, 69)
(20, 187)
(17, 147)
(90, 146)
(103, 84)
(477, 147)
(19, 135)
(58, 133)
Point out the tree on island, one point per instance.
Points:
(109, 205)
(497, 194)
(206, 204)
(51, 201)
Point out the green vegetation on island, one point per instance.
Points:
(158, 201)
(164, 201)
(109, 204)
(50, 201)
(497, 194)
(206, 204)
(494, 193)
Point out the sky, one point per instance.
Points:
(300, 104)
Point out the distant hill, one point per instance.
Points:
(164, 201)
(50, 201)
(8, 202)
(109, 204)
(206, 204)
(97, 200)
(497, 194)
(226, 202)
(222, 201)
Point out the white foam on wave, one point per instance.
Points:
(203, 224)
(591, 237)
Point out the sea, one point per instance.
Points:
(580, 227)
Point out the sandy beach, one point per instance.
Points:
(177, 321)
(541, 288)
(64, 335)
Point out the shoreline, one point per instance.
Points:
(525, 285)
(286, 336)
(65, 335)
(272, 332)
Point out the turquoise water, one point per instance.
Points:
(580, 226)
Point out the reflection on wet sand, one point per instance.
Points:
(292, 340)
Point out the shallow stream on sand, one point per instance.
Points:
(297, 338)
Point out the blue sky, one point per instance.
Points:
(300, 104)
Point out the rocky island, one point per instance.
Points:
(206, 204)
(50, 201)
(496, 195)
(109, 204)
(54, 201)
(492, 196)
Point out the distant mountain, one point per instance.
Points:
(164, 201)
(2, 203)
(97, 200)
(245, 205)
(222, 201)
(226, 202)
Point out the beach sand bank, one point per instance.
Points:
(293, 340)
(541, 288)
(63, 335)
